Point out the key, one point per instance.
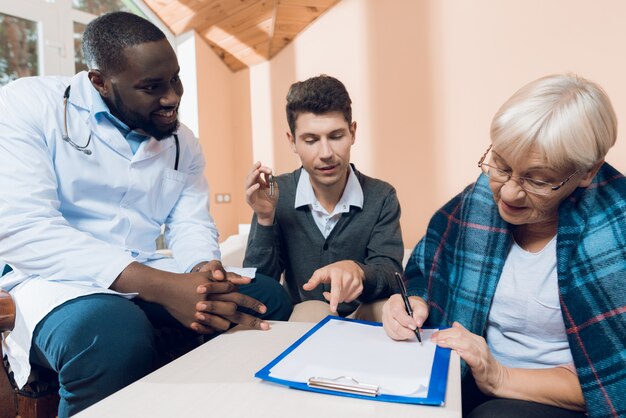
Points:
(271, 182)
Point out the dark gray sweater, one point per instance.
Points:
(294, 244)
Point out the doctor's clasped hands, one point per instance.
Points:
(206, 301)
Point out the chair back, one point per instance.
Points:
(7, 311)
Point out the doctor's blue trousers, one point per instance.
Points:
(101, 343)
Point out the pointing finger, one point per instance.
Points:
(318, 277)
(336, 289)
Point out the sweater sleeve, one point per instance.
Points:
(263, 250)
(384, 252)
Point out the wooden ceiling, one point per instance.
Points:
(241, 32)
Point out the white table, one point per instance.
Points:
(217, 380)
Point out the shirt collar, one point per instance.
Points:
(352, 194)
(100, 109)
(98, 106)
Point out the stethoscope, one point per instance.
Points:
(84, 148)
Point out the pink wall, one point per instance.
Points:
(242, 134)
(425, 78)
(217, 95)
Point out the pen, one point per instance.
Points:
(271, 182)
(407, 305)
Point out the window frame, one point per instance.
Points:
(55, 25)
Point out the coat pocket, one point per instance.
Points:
(172, 184)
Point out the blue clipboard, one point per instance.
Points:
(436, 388)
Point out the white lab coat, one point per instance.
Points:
(70, 222)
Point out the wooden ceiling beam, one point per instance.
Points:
(233, 63)
(198, 14)
(250, 16)
(251, 37)
(324, 4)
(241, 32)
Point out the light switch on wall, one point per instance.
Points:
(222, 197)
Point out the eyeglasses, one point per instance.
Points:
(528, 184)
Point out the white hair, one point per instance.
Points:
(568, 119)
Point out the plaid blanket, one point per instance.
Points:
(456, 268)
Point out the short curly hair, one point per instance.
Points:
(107, 36)
(317, 95)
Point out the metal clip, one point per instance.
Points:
(344, 384)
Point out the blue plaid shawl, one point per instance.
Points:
(456, 268)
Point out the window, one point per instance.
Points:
(43, 37)
(79, 59)
(98, 7)
(18, 48)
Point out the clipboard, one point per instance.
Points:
(334, 379)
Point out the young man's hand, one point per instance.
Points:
(346, 282)
(259, 195)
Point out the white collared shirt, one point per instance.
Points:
(352, 196)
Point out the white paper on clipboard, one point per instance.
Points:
(363, 353)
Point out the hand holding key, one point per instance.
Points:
(262, 193)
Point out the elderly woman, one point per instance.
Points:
(528, 264)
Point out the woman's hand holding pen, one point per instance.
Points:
(397, 323)
(262, 193)
(490, 375)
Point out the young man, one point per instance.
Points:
(90, 169)
(333, 231)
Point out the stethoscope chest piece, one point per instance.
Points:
(84, 150)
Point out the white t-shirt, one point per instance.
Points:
(525, 327)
